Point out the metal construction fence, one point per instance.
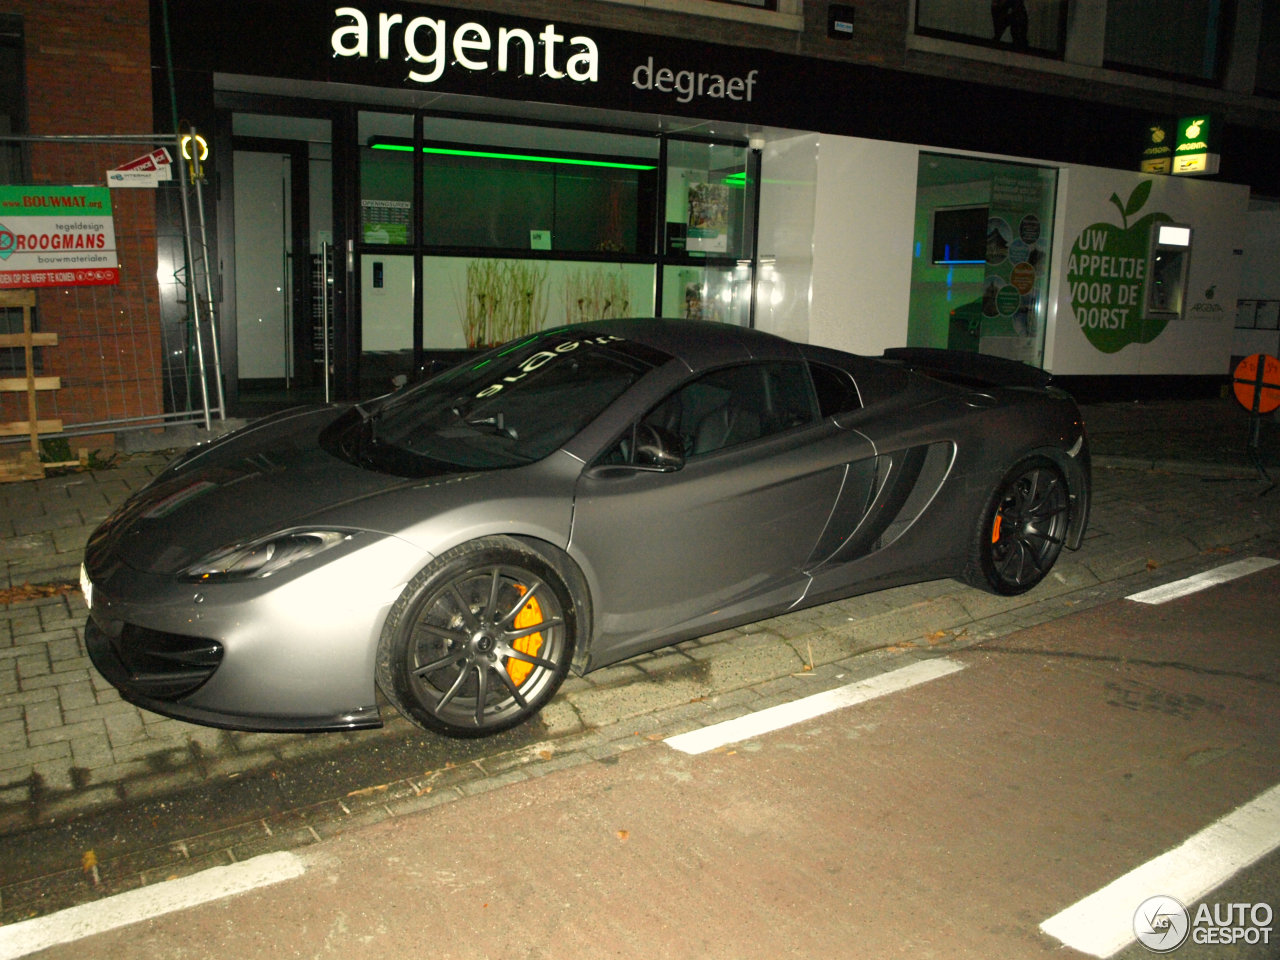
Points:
(141, 353)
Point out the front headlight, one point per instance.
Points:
(261, 558)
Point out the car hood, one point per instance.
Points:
(267, 477)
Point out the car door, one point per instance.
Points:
(726, 533)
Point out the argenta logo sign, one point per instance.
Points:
(434, 44)
(430, 45)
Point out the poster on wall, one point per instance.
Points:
(57, 237)
(1107, 270)
(708, 218)
(1014, 288)
(385, 221)
(1105, 267)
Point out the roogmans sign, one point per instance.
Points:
(57, 237)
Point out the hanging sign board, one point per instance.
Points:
(1196, 150)
(1187, 146)
(144, 171)
(57, 237)
(1157, 153)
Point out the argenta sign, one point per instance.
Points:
(431, 44)
(463, 51)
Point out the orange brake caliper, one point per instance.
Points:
(995, 529)
(530, 616)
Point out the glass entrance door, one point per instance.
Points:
(264, 314)
(282, 204)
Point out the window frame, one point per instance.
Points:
(1056, 53)
(837, 374)
(762, 368)
(784, 15)
(1222, 55)
(12, 39)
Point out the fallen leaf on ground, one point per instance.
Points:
(89, 864)
(364, 791)
(37, 591)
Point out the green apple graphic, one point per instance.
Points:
(1107, 272)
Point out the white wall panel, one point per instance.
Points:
(785, 241)
(864, 213)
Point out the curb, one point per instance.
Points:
(1192, 468)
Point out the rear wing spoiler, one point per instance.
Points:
(968, 369)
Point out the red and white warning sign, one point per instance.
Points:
(145, 171)
(1257, 382)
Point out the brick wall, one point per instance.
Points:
(88, 73)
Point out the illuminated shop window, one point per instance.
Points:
(981, 254)
(475, 232)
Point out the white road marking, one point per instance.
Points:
(1203, 581)
(1102, 923)
(145, 903)
(786, 714)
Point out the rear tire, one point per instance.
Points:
(480, 640)
(1021, 530)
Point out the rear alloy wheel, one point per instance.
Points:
(480, 640)
(1022, 529)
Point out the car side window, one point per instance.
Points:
(837, 393)
(736, 405)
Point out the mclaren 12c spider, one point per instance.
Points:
(564, 502)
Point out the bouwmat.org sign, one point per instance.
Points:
(57, 237)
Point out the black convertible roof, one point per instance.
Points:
(698, 343)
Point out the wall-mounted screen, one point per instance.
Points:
(960, 235)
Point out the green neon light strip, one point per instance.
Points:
(527, 157)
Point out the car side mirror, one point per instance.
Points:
(658, 448)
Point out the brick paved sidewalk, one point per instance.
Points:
(44, 523)
(58, 718)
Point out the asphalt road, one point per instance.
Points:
(949, 819)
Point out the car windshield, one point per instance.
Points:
(512, 406)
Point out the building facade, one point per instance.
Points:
(389, 182)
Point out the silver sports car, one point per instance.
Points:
(564, 502)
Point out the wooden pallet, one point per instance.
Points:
(27, 465)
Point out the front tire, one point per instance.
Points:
(1021, 531)
(480, 640)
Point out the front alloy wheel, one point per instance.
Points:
(479, 641)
